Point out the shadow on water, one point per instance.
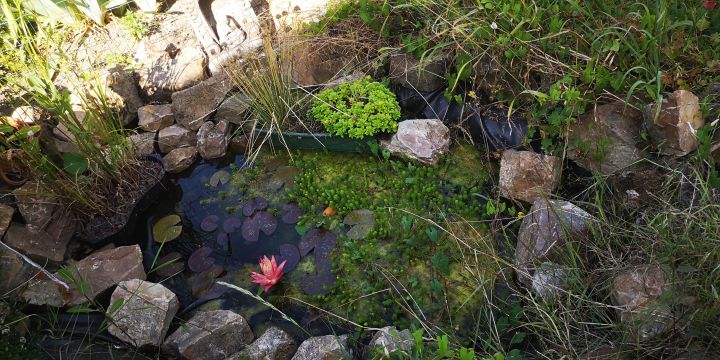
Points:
(187, 196)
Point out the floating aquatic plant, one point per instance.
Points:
(362, 222)
(169, 265)
(267, 222)
(200, 260)
(308, 241)
(290, 254)
(231, 224)
(250, 229)
(249, 207)
(220, 177)
(210, 223)
(291, 213)
(167, 229)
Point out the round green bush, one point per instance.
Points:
(357, 109)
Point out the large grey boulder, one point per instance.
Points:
(212, 139)
(424, 140)
(425, 76)
(155, 117)
(121, 93)
(43, 240)
(144, 143)
(194, 105)
(180, 159)
(176, 136)
(171, 59)
(527, 176)
(606, 139)
(145, 314)
(328, 347)
(673, 127)
(233, 108)
(210, 335)
(274, 344)
(16, 271)
(544, 234)
(636, 293)
(388, 342)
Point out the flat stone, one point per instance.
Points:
(423, 140)
(50, 290)
(409, 72)
(6, 214)
(233, 109)
(544, 233)
(105, 269)
(526, 176)
(155, 117)
(606, 139)
(194, 105)
(549, 279)
(212, 139)
(174, 137)
(274, 344)
(389, 341)
(674, 132)
(146, 312)
(121, 93)
(210, 335)
(636, 293)
(35, 205)
(329, 347)
(36, 244)
(16, 272)
(144, 142)
(180, 159)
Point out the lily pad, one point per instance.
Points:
(318, 284)
(362, 222)
(248, 207)
(201, 283)
(215, 291)
(268, 223)
(169, 265)
(231, 224)
(219, 178)
(291, 254)
(308, 241)
(167, 229)
(210, 223)
(250, 229)
(223, 240)
(283, 176)
(291, 213)
(261, 203)
(323, 250)
(200, 260)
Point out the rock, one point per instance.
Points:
(605, 139)
(38, 245)
(213, 139)
(544, 233)
(424, 140)
(28, 114)
(146, 312)
(354, 76)
(526, 176)
(105, 269)
(549, 279)
(274, 344)
(15, 271)
(174, 137)
(121, 93)
(674, 130)
(210, 335)
(6, 214)
(144, 143)
(155, 117)
(180, 159)
(233, 109)
(44, 289)
(296, 12)
(171, 58)
(329, 347)
(319, 63)
(35, 204)
(636, 293)
(239, 144)
(389, 341)
(409, 72)
(194, 105)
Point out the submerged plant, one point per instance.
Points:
(271, 273)
(357, 109)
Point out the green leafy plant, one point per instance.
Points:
(167, 229)
(73, 11)
(357, 109)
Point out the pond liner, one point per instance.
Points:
(142, 205)
(490, 126)
(316, 141)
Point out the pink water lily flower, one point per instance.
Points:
(710, 4)
(271, 273)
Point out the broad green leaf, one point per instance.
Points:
(167, 229)
(441, 261)
(54, 10)
(219, 178)
(93, 9)
(74, 163)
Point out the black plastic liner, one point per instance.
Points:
(490, 125)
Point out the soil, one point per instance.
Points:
(127, 196)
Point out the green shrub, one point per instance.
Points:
(357, 109)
